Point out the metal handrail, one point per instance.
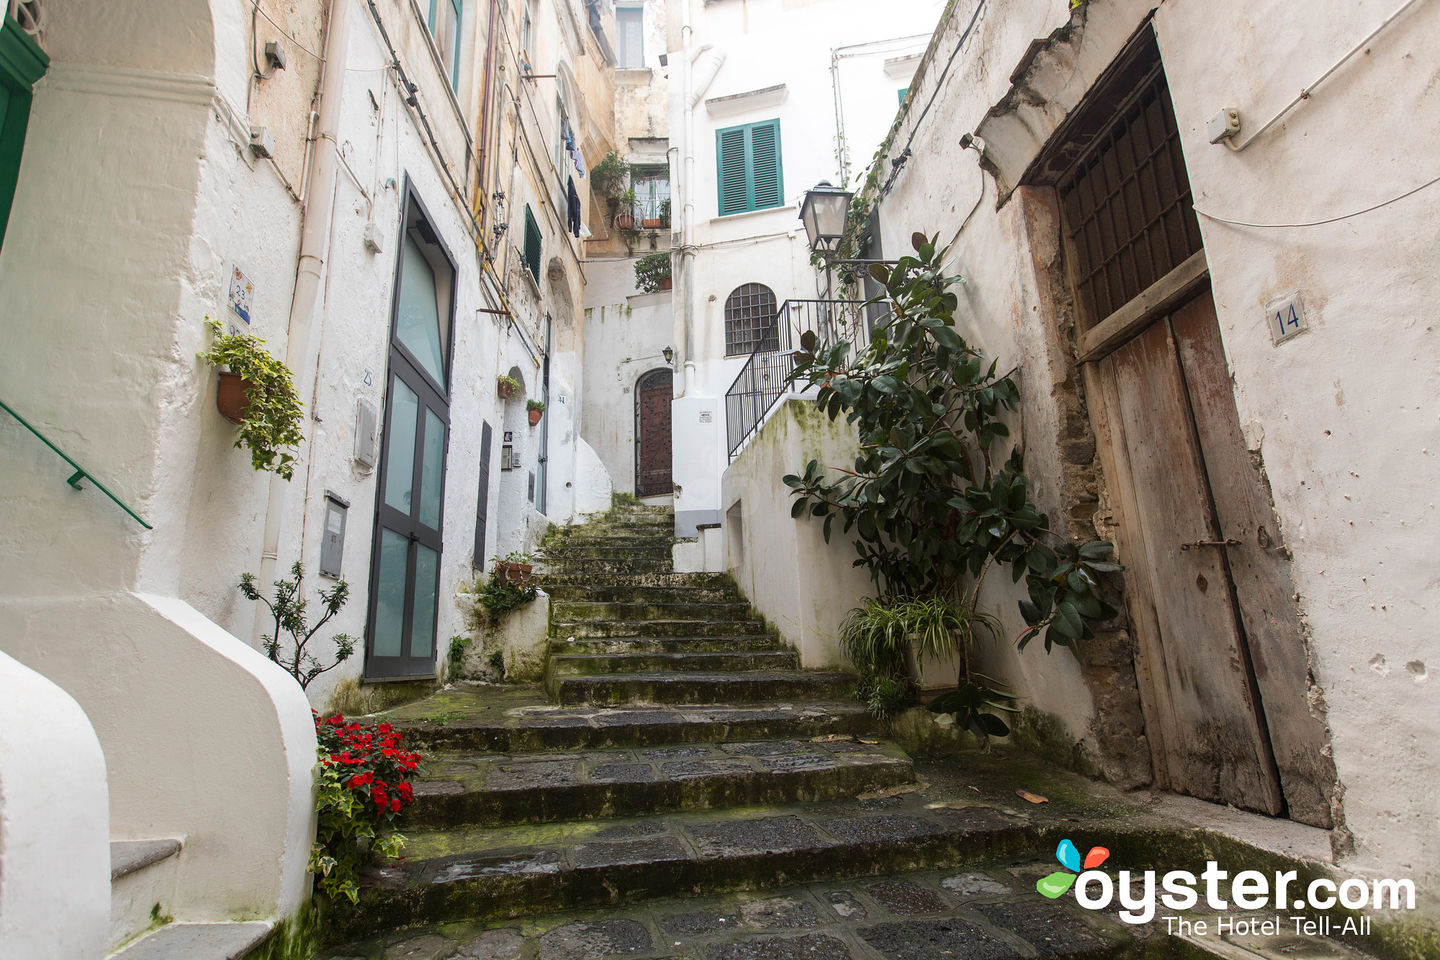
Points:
(760, 382)
(80, 472)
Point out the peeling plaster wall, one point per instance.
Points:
(1342, 415)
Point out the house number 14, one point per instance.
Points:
(1286, 317)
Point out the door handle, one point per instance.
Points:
(1196, 545)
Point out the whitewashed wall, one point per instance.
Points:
(1342, 416)
(759, 45)
(627, 332)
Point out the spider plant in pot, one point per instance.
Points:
(535, 409)
(257, 393)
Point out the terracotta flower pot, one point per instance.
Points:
(505, 391)
(625, 221)
(667, 283)
(650, 223)
(231, 398)
(516, 573)
(535, 416)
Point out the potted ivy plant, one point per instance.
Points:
(506, 386)
(257, 393)
(535, 409)
(514, 567)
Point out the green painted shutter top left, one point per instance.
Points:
(22, 62)
(533, 240)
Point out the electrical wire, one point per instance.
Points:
(301, 46)
(934, 92)
(1318, 223)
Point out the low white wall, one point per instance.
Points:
(801, 584)
(204, 739)
(54, 823)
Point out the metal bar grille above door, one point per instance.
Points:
(1128, 211)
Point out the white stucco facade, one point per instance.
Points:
(139, 196)
(1340, 418)
(832, 83)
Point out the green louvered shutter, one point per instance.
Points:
(748, 159)
(532, 244)
(765, 165)
(734, 178)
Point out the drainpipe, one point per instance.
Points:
(305, 306)
(687, 223)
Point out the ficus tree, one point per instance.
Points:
(934, 500)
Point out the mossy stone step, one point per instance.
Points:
(618, 538)
(619, 645)
(667, 578)
(564, 665)
(608, 564)
(560, 629)
(482, 873)
(532, 726)
(494, 789)
(565, 610)
(584, 551)
(605, 593)
(758, 686)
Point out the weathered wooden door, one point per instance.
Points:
(1219, 656)
(653, 394)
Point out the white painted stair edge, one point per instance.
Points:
(198, 941)
(142, 885)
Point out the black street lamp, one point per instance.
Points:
(824, 213)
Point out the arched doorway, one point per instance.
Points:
(653, 393)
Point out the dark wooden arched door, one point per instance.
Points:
(653, 394)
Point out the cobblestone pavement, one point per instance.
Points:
(992, 914)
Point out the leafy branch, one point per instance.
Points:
(287, 607)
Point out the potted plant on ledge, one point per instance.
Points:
(536, 409)
(256, 392)
(652, 272)
(625, 219)
(514, 567)
(506, 387)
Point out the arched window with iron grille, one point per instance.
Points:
(750, 320)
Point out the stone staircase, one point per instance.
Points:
(681, 752)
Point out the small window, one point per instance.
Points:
(630, 32)
(532, 244)
(750, 320)
(749, 165)
(445, 28)
(527, 30)
(652, 192)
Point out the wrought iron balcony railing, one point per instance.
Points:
(761, 382)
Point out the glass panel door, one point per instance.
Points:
(405, 571)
